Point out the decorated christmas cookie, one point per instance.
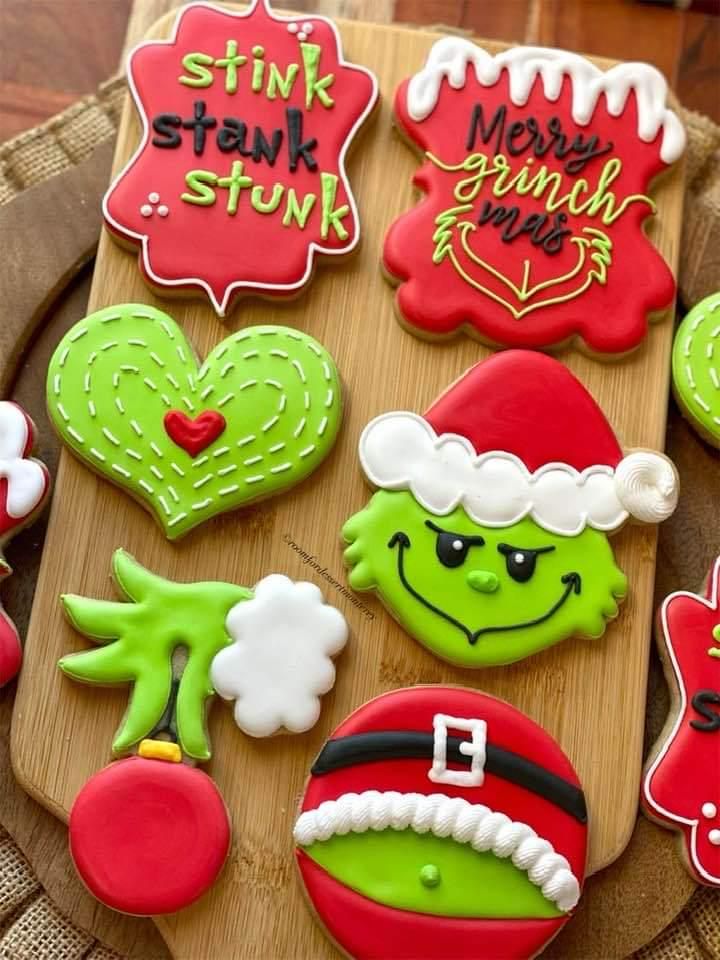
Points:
(696, 368)
(440, 822)
(190, 441)
(150, 833)
(488, 538)
(536, 171)
(269, 649)
(239, 180)
(681, 787)
(24, 488)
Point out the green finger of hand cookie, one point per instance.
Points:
(431, 875)
(696, 367)
(126, 394)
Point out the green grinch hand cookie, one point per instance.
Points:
(488, 538)
(190, 441)
(696, 368)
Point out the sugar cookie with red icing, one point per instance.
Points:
(441, 822)
(24, 488)
(681, 786)
(535, 175)
(239, 181)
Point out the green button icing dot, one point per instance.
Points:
(429, 875)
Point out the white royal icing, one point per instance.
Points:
(450, 58)
(279, 664)
(472, 823)
(401, 451)
(474, 748)
(25, 477)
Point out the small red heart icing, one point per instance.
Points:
(194, 435)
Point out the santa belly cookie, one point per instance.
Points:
(440, 822)
(488, 537)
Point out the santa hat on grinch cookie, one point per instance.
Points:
(518, 435)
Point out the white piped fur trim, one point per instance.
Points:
(451, 56)
(401, 451)
(472, 823)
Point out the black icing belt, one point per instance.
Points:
(415, 745)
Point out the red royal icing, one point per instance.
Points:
(366, 929)
(598, 286)
(681, 787)
(10, 649)
(193, 435)
(287, 138)
(149, 837)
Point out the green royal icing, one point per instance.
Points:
(139, 640)
(117, 373)
(696, 366)
(479, 593)
(393, 867)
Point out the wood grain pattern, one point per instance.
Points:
(590, 696)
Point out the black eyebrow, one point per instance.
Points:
(471, 540)
(506, 548)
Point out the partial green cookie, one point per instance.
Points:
(696, 368)
(127, 395)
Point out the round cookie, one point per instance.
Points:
(190, 441)
(149, 836)
(696, 368)
(488, 537)
(441, 822)
(681, 786)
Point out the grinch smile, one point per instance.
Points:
(572, 583)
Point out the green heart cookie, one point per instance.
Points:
(126, 393)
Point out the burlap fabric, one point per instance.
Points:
(31, 927)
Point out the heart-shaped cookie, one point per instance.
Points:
(127, 395)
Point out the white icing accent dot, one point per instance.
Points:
(457, 544)
(714, 838)
(307, 27)
(162, 210)
(709, 810)
(154, 197)
(519, 558)
(302, 35)
(293, 28)
(146, 210)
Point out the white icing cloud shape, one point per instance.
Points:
(280, 662)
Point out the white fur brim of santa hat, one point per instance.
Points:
(402, 451)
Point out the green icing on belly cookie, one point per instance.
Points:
(696, 367)
(127, 395)
(432, 875)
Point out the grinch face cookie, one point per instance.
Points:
(487, 539)
(239, 181)
(681, 787)
(696, 368)
(127, 395)
(440, 822)
(536, 169)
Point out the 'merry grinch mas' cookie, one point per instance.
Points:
(681, 789)
(239, 180)
(190, 440)
(488, 538)
(536, 166)
(440, 822)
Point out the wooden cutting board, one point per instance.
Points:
(591, 696)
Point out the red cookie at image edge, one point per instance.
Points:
(239, 180)
(441, 822)
(535, 172)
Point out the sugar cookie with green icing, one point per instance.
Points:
(696, 368)
(128, 396)
(487, 538)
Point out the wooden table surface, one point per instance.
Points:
(54, 51)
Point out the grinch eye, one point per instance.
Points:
(520, 563)
(452, 548)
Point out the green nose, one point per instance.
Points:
(483, 581)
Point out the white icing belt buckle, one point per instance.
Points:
(474, 748)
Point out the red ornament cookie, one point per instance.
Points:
(149, 836)
(24, 488)
(536, 166)
(239, 179)
(681, 787)
(440, 822)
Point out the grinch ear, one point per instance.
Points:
(647, 485)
